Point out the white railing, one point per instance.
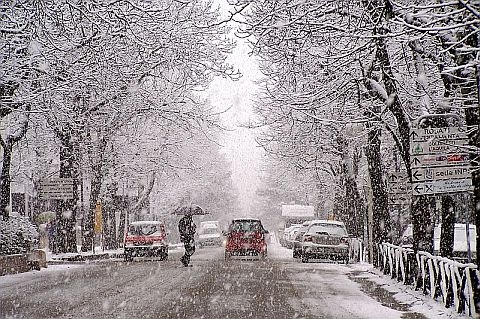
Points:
(357, 251)
(456, 284)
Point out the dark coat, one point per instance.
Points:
(186, 228)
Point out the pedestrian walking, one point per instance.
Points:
(187, 229)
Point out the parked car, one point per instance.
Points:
(285, 233)
(290, 236)
(460, 250)
(298, 240)
(209, 236)
(325, 239)
(245, 237)
(146, 238)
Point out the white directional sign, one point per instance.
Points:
(397, 182)
(435, 146)
(442, 186)
(56, 188)
(398, 188)
(435, 160)
(396, 199)
(439, 160)
(439, 173)
(438, 133)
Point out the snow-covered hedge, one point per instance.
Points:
(17, 235)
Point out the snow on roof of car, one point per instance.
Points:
(246, 218)
(325, 221)
(146, 222)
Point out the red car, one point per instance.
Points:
(146, 238)
(245, 237)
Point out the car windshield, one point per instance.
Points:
(246, 225)
(143, 230)
(330, 229)
(209, 231)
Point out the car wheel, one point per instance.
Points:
(346, 260)
(128, 256)
(263, 255)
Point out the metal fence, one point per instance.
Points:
(445, 280)
(452, 283)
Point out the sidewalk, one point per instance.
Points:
(90, 255)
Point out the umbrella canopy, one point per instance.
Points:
(189, 210)
(44, 217)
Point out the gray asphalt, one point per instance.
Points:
(212, 288)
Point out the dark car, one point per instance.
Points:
(245, 237)
(146, 238)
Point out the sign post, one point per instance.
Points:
(98, 226)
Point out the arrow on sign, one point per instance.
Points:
(416, 161)
(418, 189)
(417, 175)
(413, 135)
(392, 178)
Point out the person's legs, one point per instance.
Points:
(185, 258)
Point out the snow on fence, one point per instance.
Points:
(456, 284)
(357, 251)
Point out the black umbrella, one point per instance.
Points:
(189, 210)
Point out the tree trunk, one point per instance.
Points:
(448, 226)
(109, 220)
(422, 225)
(89, 217)
(67, 209)
(5, 179)
(381, 217)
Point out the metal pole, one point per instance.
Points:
(370, 221)
(466, 198)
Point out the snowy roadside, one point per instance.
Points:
(415, 299)
(98, 253)
(398, 300)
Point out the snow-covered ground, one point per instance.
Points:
(280, 286)
(312, 276)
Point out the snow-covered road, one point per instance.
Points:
(278, 287)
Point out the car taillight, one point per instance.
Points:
(308, 238)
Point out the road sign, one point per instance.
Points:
(397, 183)
(398, 188)
(435, 146)
(442, 186)
(438, 133)
(398, 199)
(435, 160)
(396, 177)
(440, 173)
(55, 188)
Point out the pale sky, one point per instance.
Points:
(239, 144)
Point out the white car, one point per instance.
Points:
(290, 236)
(325, 239)
(209, 236)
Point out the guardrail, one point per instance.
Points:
(357, 251)
(456, 284)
